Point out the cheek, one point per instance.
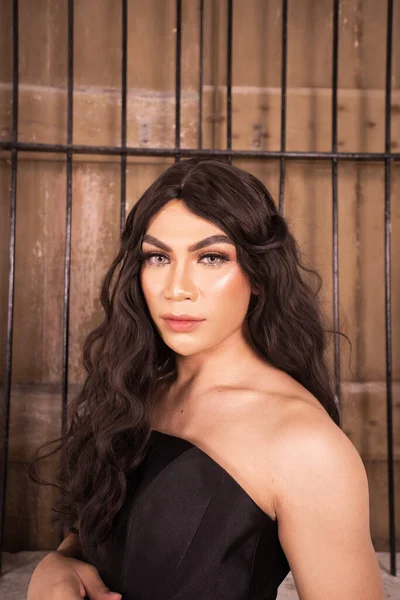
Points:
(230, 292)
(148, 287)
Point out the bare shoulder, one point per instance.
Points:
(305, 435)
(306, 445)
(321, 501)
(251, 436)
(287, 437)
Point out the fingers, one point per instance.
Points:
(95, 586)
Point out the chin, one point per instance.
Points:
(184, 349)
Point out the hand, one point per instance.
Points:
(58, 577)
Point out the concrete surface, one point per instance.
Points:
(18, 568)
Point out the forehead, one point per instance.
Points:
(175, 221)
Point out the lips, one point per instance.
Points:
(182, 324)
(181, 318)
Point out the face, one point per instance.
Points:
(180, 277)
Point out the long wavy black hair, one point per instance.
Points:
(126, 359)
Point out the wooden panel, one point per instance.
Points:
(379, 504)
(364, 418)
(255, 118)
(257, 43)
(39, 271)
(5, 42)
(43, 42)
(95, 233)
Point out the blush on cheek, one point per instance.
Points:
(232, 282)
(229, 297)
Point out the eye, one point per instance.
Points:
(221, 258)
(218, 258)
(146, 256)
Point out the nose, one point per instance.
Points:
(179, 284)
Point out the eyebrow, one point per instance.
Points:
(212, 239)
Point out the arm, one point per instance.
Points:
(322, 505)
(63, 574)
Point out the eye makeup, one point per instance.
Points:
(221, 256)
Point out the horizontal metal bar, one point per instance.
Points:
(132, 151)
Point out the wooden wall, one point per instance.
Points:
(37, 350)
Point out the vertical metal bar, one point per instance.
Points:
(11, 281)
(178, 79)
(283, 107)
(388, 282)
(68, 222)
(335, 208)
(124, 109)
(201, 60)
(229, 80)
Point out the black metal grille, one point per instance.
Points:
(69, 149)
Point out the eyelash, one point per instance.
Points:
(145, 257)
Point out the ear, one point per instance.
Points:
(255, 292)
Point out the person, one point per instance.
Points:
(205, 456)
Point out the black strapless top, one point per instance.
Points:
(188, 531)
